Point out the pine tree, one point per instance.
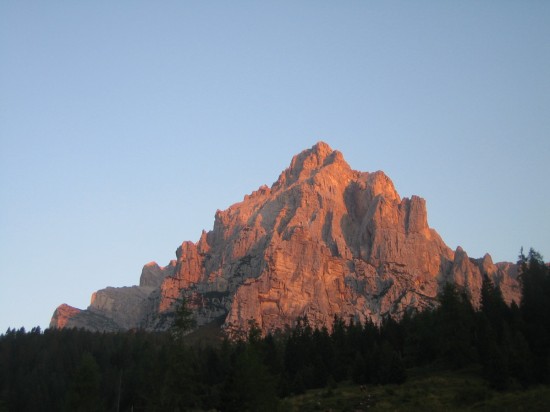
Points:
(249, 387)
(84, 393)
(492, 302)
(455, 327)
(535, 310)
(183, 320)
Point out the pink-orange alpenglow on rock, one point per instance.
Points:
(323, 240)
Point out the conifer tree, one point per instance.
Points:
(84, 392)
(183, 320)
(455, 327)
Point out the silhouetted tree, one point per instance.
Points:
(535, 310)
(249, 386)
(183, 320)
(455, 327)
(84, 392)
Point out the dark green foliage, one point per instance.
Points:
(455, 326)
(249, 386)
(76, 370)
(183, 320)
(535, 311)
(359, 372)
(492, 303)
(84, 390)
(389, 367)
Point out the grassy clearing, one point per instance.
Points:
(433, 391)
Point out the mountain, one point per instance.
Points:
(323, 240)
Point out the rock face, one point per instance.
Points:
(324, 240)
(115, 309)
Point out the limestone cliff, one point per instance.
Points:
(323, 240)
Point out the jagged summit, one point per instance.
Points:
(324, 240)
(313, 159)
(309, 162)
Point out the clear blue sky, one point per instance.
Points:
(125, 125)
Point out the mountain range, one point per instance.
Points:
(323, 240)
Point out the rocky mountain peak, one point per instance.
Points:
(380, 184)
(324, 240)
(63, 314)
(310, 162)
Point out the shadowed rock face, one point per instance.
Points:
(324, 240)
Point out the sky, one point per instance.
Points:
(125, 125)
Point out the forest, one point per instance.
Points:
(78, 370)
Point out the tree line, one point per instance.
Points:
(78, 370)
